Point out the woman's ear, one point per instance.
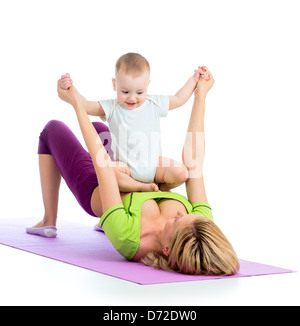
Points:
(114, 84)
(166, 251)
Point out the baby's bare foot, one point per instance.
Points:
(149, 187)
(165, 187)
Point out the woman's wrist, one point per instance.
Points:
(77, 104)
(199, 94)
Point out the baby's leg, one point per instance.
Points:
(170, 173)
(127, 183)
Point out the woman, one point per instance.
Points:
(161, 229)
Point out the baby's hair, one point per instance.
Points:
(132, 63)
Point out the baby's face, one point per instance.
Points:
(131, 91)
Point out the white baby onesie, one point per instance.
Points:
(136, 136)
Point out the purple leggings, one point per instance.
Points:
(72, 160)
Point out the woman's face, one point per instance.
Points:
(172, 224)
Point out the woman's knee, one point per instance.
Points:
(54, 125)
(100, 127)
(105, 136)
(50, 127)
(56, 134)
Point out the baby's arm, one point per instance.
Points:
(182, 96)
(92, 107)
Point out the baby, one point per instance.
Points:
(134, 122)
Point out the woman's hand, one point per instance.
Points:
(65, 81)
(201, 72)
(204, 84)
(69, 95)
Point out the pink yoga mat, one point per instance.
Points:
(81, 246)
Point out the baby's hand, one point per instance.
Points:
(201, 72)
(65, 81)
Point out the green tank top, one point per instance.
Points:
(122, 223)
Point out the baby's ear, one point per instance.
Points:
(114, 84)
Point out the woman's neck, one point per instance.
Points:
(152, 230)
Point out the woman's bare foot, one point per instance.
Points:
(98, 227)
(44, 222)
(43, 229)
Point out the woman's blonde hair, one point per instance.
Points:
(200, 248)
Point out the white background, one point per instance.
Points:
(252, 131)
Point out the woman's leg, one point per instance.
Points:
(61, 154)
(50, 182)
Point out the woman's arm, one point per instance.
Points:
(91, 107)
(108, 186)
(182, 96)
(194, 147)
